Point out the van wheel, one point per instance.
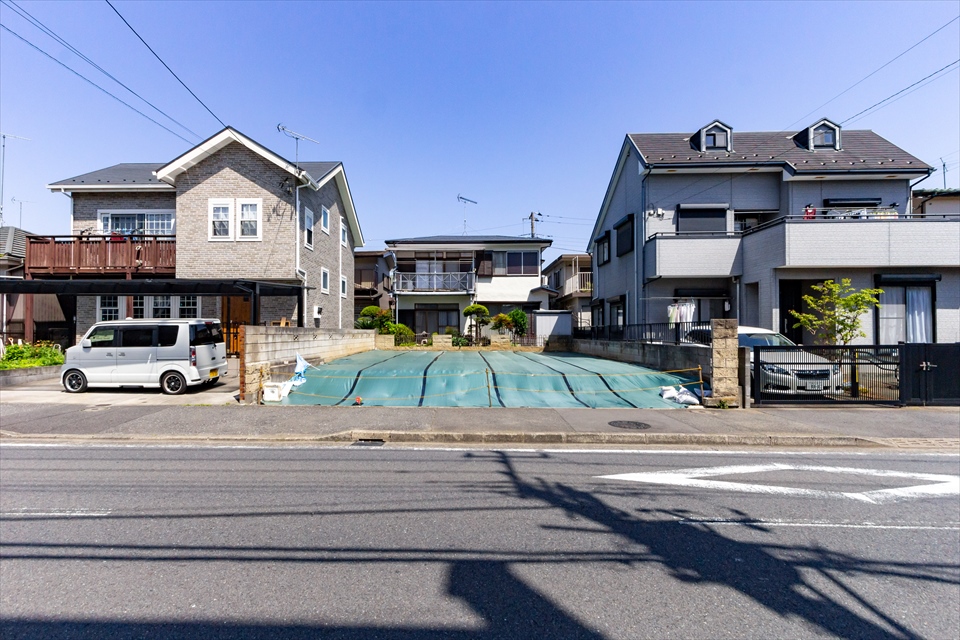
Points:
(173, 384)
(75, 382)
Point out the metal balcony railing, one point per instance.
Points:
(455, 282)
(116, 254)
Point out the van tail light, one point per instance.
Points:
(193, 356)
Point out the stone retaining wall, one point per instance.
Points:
(269, 351)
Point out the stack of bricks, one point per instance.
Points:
(725, 369)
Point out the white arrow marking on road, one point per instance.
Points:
(938, 485)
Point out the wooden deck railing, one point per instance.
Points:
(113, 254)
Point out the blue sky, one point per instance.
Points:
(519, 106)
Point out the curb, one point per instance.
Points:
(427, 437)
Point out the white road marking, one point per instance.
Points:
(722, 522)
(56, 513)
(938, 485)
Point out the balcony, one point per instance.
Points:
(435, 282)
(580, 283)
(693, 255)
(100, 255)
(865, 239)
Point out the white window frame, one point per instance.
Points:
(325, 220)
(121, 306)
(308, 228)
(149, 306)
(324, 280)
(343, 286)
(104, 216)
(258, 202)
(220, 202)
(343, 232)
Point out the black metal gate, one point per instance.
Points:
(930, 374)
(826, 375)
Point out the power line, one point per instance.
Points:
(902, 90)
(932, 80)
(165, 64)
(83, 77)
(38, 24)
(874, 72)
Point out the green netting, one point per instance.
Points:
(481, 379)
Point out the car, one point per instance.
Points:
(169, 354)
(790, 371)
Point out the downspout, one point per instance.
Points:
(302, 315)
(340, 281)
(641, 228)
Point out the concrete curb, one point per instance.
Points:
(427, 437)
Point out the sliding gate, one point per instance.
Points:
(915, 374)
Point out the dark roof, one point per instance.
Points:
(13, 242)
(936, 193)
(469, 240)
(124, 173)
(141, 173)
(862, 151)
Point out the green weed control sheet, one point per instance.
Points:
(483, 379)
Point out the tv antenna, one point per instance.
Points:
(3, 163)
(298, 137)
(463, 200)
(534, 217)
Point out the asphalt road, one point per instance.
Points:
(362, 542)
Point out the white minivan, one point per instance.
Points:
(170, 354)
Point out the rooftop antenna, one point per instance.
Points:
(3, 164)
(460, 198)
(534, 216)
(944, 166)
(298, 137)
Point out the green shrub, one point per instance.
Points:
(38, 354)
(460, 341)
(501, 323)
(375, 318)
(519, 319)
(452, 331)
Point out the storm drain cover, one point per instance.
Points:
(367, 443)
(629, 424)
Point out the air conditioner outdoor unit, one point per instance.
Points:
(317, 311)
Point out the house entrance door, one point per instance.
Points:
(791, 297)
(236, 313)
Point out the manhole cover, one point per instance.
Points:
(629, 424)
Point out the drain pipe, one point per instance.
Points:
(340, 282)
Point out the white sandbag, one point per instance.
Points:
(668, 393)
(685, 396)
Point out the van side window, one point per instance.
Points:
(167, 336)
(102, 337)
(136, 337)
(209, 333)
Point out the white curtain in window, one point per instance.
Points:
(919, 315)
(892, 312)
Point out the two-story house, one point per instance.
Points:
(571, 277)
(229, 230)
(437, 277)
(372, 284)
(741, 224)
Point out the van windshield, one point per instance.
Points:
(208, 333)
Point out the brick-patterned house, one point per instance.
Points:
(227, 230)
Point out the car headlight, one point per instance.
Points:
(772, 368)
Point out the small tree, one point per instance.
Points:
(835, 317)
(478, 313)
(519, 320)
(501, 323)
(378, 319)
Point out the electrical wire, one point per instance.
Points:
(86, 79)
(903, 96)
(804, 117)
(165, 64)
(957, 61)
(39, 25)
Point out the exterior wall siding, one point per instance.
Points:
(804, 192)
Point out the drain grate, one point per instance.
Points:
(367, 443)
(629, 424)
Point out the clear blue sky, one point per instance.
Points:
(519, 106)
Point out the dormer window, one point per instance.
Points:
(824, 137)
(716, 138)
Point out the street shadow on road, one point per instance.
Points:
(770, 575)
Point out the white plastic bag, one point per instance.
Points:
(685, 396)
(668, 393)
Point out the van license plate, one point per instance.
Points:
(213, 373)
(814, 386)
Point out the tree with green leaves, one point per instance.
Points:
(835, 313)
(480, 316)
(501, 323)
(373, 317)
(519, 320)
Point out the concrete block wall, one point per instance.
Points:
(273, 350)
(665, 357)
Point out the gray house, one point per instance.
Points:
(227, 230)
(741, 224)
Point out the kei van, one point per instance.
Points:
(170, 354)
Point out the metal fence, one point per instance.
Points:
(656, 332)
(826, 374)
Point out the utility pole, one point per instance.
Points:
(943, 166)
(534, 216)
(3, 164)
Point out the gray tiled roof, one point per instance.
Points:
(141, 173)
(13, 242)
(862, 151)
(469, 240)
(124, 173)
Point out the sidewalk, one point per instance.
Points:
(930, 428)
